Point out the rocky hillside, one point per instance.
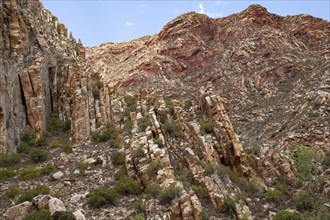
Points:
(209, 119)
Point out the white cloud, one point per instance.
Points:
(201, 8)
(128, 24)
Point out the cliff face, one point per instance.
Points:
(38, 63)
(209, 108)
(272, 71)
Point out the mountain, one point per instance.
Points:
(222, 118)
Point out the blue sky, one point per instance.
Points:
(95, 22)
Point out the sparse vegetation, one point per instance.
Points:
(110, 135)
(168, 194)
(81, 166)
(6, 173)
(121, 173)
(274, 195)
(153, 190)
(187, 104)
(138, 206)
(205, 126)
(170, 106)
(28, 172)
(65, 215)
(56, 144)
(67, 149)
(304, 200)
(139, 216)
(42, 214)
(12, 191)
(101, 197)
(127, 186)
(9, 159)
(153, 168)
(159, 142)
(143, 123)
(130, 102)
(57, 125)
(38, 156)
(173, 128)
(285, 215)
(306, 160)
(200, 191)
(48, 169)
(30, 194)
(139, 153)
(228, 206)
(118, 158)
(209, 169)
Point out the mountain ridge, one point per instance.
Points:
(222, 118)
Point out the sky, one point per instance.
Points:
(99, 21)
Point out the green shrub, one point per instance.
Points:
(274, 195)
(12, 191)
(139, 216)
(205, 126)
(48, 169)
(6, 173)
(28, 137)
(96, 92)
(101, 197)
(24, 147)
(138, 206)
(173, 128)
(9, 159)
(159, 142)
(28, 172)
(56, 144)
(153, 189)
(285, 215)
(170, 106)
(209, 169)
(306, 160)
(42, 214)
(139, 153)
(127, 186)
(81, 166)
(38, 156)
(201, 192)
(153, 168)
(118, 158)
(121, 173)
(168, 194)
(130, 102)
(143, 123)
(304, 200)
(187, 104)
(110, 133)
(42, 141)
(67, 149)
(30, 194)
(228, 206)
(55, 125)
(64, 215)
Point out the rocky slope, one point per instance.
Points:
(207, 119)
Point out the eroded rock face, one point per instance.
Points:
(254, 77)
